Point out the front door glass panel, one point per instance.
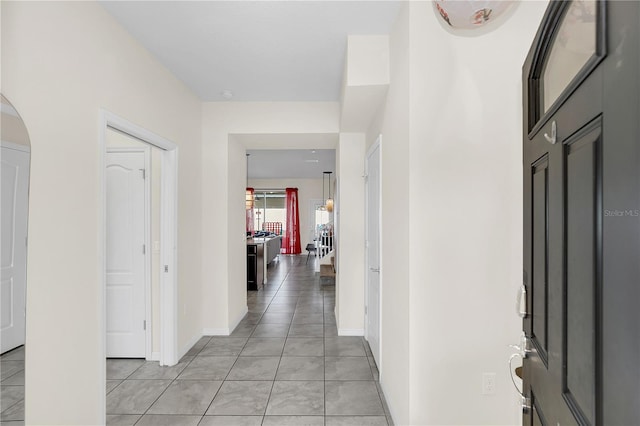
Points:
(574, 44)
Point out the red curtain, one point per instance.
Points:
(291, 239)
(249, 197)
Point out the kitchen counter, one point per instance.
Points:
(260, 252)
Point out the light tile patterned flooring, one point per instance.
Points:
(12, 387)
(283, 365)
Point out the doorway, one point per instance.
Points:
(372, 247)
(167, 295)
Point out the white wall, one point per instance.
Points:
(237, 261)
(308, 189)
(466, 203)
(451, 216)
(351, 228)
(393, 122)
(224, 178)
(453, 259)
(61, 63)
(367, 60)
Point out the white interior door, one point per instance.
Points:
(14, 170)
(373, 250)
(126, 252)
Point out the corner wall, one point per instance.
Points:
(392, 121)
(61, 63)
(466, 202)
(451, 216)
(351, 235)
(223, 244)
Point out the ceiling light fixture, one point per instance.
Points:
(470, 14)
(226, 95)
(322, 207)
(329, 203)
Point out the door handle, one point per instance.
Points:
(524, 348)
(512, 371)
(525, 402)
(374, 269)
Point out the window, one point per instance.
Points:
(269, 207)
(569, 47)
(573, 46)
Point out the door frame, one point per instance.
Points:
(376, 145)
(148, 334)
(168, 232)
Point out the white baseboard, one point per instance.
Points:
(350, 332)
(392, 410)
(215, 331)
(155, 356)
(225, 331)
(188, 346)
(234, 324)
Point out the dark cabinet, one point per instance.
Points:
(255, 272)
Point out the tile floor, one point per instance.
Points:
(283, 365)
(12, 387)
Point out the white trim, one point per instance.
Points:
(380, 242)
(121, 124)
(186, 348)
(376, 145)
(392, 412)
(225, 331)
(146, 150)
(169, 218)
(102, 254)
(243, 313)
(215, 332)
(351, 332)
(168, 256)
(15, 146)
(155, 356)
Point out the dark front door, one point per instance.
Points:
(582, 216)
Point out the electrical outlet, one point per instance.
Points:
(488, 383)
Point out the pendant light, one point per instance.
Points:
(329, 203)
(248, 197)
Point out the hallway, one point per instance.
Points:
(283, 365)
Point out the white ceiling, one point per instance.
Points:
(259, 50)
(291, 163)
